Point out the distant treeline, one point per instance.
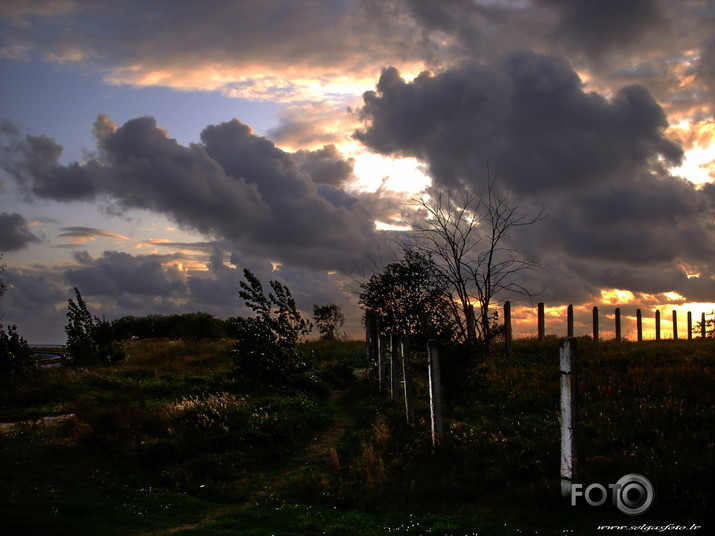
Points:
(198, 325)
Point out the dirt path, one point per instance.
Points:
(5, 426)
(319, 454)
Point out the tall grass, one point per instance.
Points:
(169, 419)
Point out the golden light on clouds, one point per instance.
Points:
(616, 296)
(375, 171)
(287, 84)
(186, 265)
(82, 235)
(698, 141)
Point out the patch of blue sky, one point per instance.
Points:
(63, 104)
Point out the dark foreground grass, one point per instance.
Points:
(166, 440)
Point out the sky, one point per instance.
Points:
(150, 151)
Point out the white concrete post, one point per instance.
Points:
(435, 392)
(567, 362)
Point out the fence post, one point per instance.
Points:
(471, 324)
(703, 332)
(541, 321)
(407, 379)
(507, 327)
(639, 325)
(567, 362)
(435, 390)
(373, 344)
(657, 325)
(596, 334)
(618, 324)
(569, 321)
(690, 326)
(381, 365)
(394, 368)
(675, 325)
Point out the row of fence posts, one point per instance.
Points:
(378, 347)
(596, 328)
(567, 366)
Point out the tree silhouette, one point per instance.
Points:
(328, 319)
(468, 232)
(408, 293)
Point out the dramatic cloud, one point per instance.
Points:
(14, 232)
(598, 166)
(528, 117)
(605, 26)
(217, 45)
(235, 185)
(117, 273)
(593, 109)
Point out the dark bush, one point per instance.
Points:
(15, 354)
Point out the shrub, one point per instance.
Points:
(266, 345)
(15, 354)
(89, 339)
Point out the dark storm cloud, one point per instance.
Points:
(117, 273)
(597, 165)
(14, 232)
(528, 117)
(325, 166)
(235, 185)
(181, 35)
(35, 301)
(33, 162)
(605, 26)
(706, 69)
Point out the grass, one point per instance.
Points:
(167, 439)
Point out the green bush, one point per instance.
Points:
(266, 351)
(90, 340)
(15, 354)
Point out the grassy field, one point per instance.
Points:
(167, 442)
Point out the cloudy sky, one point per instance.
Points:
(152, 150)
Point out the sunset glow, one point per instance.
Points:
(153, 151)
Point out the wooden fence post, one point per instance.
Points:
(541, 324)
(381, 365)
(639, 325)
(507, 327)
(471, 323)
(596, 334)
(618, 324)
(657, 325)
(675, 325)
(569, 321)
(567, 362)
(435, 390)
(690, 326)
(703, 331)
(407, 380)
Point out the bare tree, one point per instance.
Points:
(468, 233)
